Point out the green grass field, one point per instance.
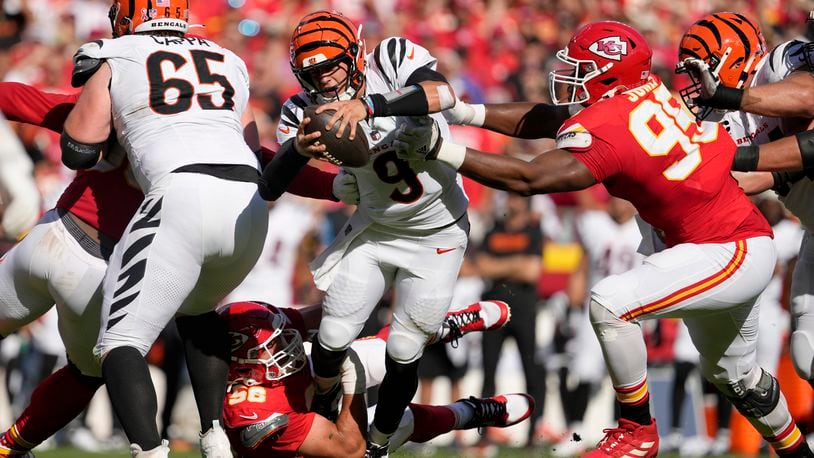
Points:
(440, 453)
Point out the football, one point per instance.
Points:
(340, 151)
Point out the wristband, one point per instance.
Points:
(725, 98)
(451, 154)
(479, 115)
(407, 101)
(805, 140)
(368, 105)
(746, 158)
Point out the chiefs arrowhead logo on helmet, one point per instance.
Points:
(610, 48)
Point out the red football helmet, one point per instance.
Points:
(600, 58)
(264, 347)
(323, 39)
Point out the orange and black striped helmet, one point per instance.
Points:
(730, 43)
(323, 39)
(132, 16)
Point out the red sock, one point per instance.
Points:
(54, 403)
(431, 421)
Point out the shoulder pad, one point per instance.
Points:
(574, 137)
(85, 62)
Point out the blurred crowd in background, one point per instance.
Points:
(491, 51)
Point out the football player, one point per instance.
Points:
(629, 133)
(76, 236)
(270, 385)
(202, 180)
(19, 197)
(759, 104)
(410, 228)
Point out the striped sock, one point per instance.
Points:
(634, 402)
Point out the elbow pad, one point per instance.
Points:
(77, 155)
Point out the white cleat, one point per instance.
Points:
(162, 451)
(215, 443)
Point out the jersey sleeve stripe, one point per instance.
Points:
(377, 53)
(299, 101)
(403, 50)
(771, 59)
(288, 117)
(391, 53)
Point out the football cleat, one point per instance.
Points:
(628, 439)
(480, 316)
(215, 443)
(376, 451)
(327, 404)
(162, 451)
(500, 411)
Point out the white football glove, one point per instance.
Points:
(699, 71)
(465, 114)
(19, 196)
(345, 188)
(418, 139)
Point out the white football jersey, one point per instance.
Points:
(611, 247)
(391, 192)
(176, 101)
(748, 128)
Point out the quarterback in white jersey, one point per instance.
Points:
(770, 103)
(410, 228)
(179, 106)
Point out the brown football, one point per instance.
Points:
(340, 151)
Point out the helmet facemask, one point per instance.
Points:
(567, 85)
(692, 92)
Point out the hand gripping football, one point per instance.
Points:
(340, 151)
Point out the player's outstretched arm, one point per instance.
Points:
(791, 153)
(23, 103)
(791, 97)
(89, 124)
(517, 119)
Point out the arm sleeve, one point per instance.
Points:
(311, 182)
(24, 103)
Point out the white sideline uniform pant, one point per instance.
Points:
(713, 287)
(191, 242)
(50, 267)
(802, 310)
(422, 270)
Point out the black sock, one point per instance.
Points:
(133, 396)
(395, 393)
(639, 413)
(326, 362)
(206, 345)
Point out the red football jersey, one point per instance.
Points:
(249, 405)
(107, 199)
(103, 199)
(644, 148)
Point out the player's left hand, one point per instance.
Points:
(348, 113)
(418, 139)
(700, 72)
(345, 188)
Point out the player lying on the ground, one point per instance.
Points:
(266, 410)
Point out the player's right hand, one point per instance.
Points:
(308, 144)
(418, 139)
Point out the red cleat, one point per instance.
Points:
(629, 439)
